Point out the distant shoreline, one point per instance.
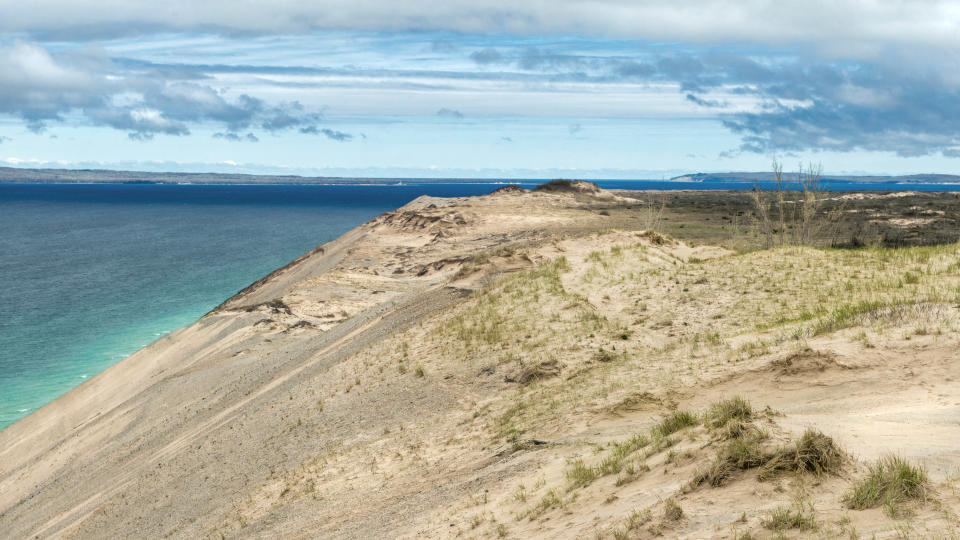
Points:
(15, 175)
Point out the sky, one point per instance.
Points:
(481, 89)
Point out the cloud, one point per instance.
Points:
(449, 113)
(331, 134)
(486, 56)
(705, 102)
(443, 46)
(41, 88)
(236, 137)
(785, 102)
(835, 26)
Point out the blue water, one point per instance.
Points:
(91, 273)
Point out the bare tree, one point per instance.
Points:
(793, 216)
(653, 210)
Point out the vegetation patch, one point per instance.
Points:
(740, 453)
(673, 423)
(785, 517)
(732, 416)
(890, 482)
(814, 452)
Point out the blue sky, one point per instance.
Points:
(593, 89)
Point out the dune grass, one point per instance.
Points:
(890, 482)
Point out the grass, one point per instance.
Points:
(723, 412)
(620, 457)
(579, 474)
(632, 523)
(672, 510)
(673, 423)
(752, 305)
(890, 482)
(814, 453)
(730, 416)
(785, 517)
(552, 499)
(740, 453)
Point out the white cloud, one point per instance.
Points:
(839, 27)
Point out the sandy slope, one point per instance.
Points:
(363, 391)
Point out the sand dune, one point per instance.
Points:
(493, 366)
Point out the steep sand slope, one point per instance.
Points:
(463, 367)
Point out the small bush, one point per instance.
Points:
(891, 481)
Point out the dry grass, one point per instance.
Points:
(814, 453)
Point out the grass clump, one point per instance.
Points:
(672, 510)
(674, 423)
(730, 416)
(551, 500)
(784, 517)
(814, 452)
(580, 475)
(890, 482)
(740, 453)
(723, 412)
(633, 522)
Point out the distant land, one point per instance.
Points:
(103, 176)
(768, 177)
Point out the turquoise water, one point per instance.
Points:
(92, 273)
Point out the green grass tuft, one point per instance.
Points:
(783, 518)
(674, 423)
(890, 482)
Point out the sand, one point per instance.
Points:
(438, 371)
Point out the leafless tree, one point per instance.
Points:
(793, 216)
